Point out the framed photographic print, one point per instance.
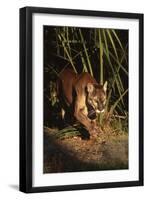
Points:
(81, 99)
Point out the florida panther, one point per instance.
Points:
(79, 91)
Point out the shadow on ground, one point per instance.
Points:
(75, 154)
(14, 187)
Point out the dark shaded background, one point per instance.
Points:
(52, 61)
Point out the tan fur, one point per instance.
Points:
(77, 90)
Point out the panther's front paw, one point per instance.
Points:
(94, 129)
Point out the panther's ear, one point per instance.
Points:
(105, 86)
(90, 87)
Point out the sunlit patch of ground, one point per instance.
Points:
(107, 151)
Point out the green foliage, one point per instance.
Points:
(67, 132)
(101, 53)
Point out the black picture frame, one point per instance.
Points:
(26, 14)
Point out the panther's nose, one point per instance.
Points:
(100, 108)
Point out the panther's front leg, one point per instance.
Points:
(81, 114)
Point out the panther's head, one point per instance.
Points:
(96, 96)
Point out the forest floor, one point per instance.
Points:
(107, 151)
